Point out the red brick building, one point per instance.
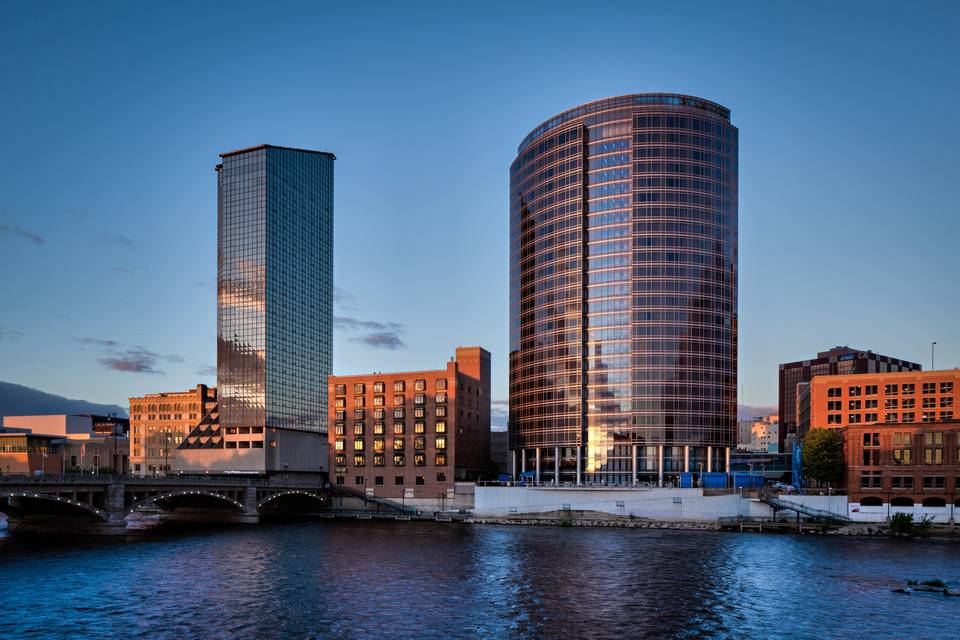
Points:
(901, 437)
(412, 434)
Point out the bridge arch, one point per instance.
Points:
(62, 503)
(297, 495)
(187, 496)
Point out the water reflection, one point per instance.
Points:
(388, 579)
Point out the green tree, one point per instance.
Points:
(823, 458)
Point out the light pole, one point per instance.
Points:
(932, 345)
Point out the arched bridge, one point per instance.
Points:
(101, 505)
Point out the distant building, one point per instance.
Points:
(160, 423)
(802, 410)
(839, 360)
(411, 435)
(759, 435)
(53, 444)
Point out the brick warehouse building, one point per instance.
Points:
(412, 434)
(901, 438)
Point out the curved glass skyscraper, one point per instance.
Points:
(623, 291)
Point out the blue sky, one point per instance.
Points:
(113, 115)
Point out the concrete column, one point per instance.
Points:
(556, 464)
(660, 463)
(538, 465)
(523, 460)
(633, 468)
(513, 465)
(726, 459)
(709, 459)
(686, 458)
(578, 465)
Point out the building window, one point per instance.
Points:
(891, 389)
(420, 459)
(398, 428)
(420, 398)
(341, 415)
(359, 460)
(358, 388)
(871, 480)
(398, 385)
(909, 403)
(419, 443)
(378, 401)
(870, 417)
(379, 414)
(339, 429)
(441, 384)
(933, 447)
(833, 418)
(441, 442)
(902, 448)
(339, 479)
(339, 445)
(853, 391)
(946, 415)
(440, 459)
(441, 398)
(399, 460)
(398, 479)
(946, 387)
(946, 401)
(378, 428)
(441, 426)
(907, 416)
(358, 444)
(441, 477)
(934, 482)
(908, 389)
(854, 418)
(378, 459)
(929, 403)
(890, 403)
(399, 444)
(379, 444)
(853, 405)
(341, 389)
(441, 411)
(419, 412)
(398, 399)
(420, 385)
(398, 413)
(358, 429)
(341, 402)
(929, 416)
(834, 405)
(870, 404)
(871, 390)
(929, 387)
(901, 482)
(358, 480)
(340, 460)
(358, 414)
(359, 401)
(833, 392)
(379, 387)
(419, 427)
(378, 480)
(419, 480)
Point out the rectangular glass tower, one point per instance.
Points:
(274, 287)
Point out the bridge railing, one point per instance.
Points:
(192, 480)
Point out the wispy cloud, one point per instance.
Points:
(341, 296)
(384, 340)
(353, 324)
(128, 359)
(499, 412)
(209, 370)
(121, 240)
(10, 333)
(20, 232)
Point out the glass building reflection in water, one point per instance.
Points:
(623, 291)
(274, 287)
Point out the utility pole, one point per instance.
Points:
(932, 345)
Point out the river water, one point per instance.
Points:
(346, 579)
